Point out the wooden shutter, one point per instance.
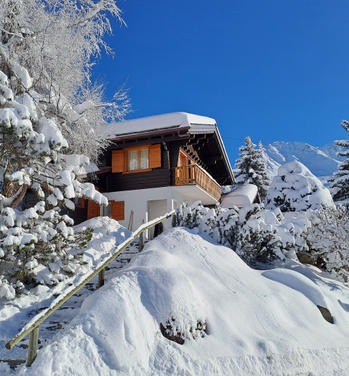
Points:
(117, 210)
(92, 209)
(81, 203)
(118, 161)
(155, 156)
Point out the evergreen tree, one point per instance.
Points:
(252, 168)
(340, 180)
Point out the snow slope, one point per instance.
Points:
(258, 322)
(321, 161)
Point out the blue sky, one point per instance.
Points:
(272, 70)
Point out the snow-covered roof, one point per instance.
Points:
(240, 196)
(195, 123)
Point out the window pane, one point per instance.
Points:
(144, 159)
(132, 160)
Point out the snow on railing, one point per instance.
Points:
(32, 327)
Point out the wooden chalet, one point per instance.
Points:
(155, 163)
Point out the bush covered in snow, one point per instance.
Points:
(295, 188)
(253, 232)
(260, 235)
(326, 240)
(300, 219)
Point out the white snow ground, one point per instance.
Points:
(259, 322)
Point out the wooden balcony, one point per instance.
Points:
(194, 174)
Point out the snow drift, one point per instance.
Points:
(240, 195)
(258, 322)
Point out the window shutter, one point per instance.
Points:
(92, 209)
(155, 156)
(117, 210)
(118, 161)
(80, 204)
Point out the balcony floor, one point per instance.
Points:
(191, 193)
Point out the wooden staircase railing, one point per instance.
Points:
(32, 327)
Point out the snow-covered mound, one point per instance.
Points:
(322, 161)
(295, 188)
(234, 320)
(239, 195)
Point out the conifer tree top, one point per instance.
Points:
(340, 179)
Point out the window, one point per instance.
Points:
(144, 159)
(138, 159)
(133, 160)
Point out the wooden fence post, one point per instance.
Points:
(141, 241)
(101, 277)
(158, 229)
(33, 346)
(174, 220)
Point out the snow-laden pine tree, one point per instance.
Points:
(340, 180)
(49, 117)
(251, 167)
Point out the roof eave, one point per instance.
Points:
(225, 155)
(148, 133)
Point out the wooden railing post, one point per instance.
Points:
(101, 278)
(174, 220)
(33, 346)
(141, 241)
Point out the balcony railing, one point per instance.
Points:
(194, 174)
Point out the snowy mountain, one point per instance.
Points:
(322, 161)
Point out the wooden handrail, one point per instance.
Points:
(194, 174)
(32, 327)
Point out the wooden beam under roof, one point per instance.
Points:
(152, 139)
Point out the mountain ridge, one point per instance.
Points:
(322, 161)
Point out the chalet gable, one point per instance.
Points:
(197, 135)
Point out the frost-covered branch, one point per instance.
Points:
(50, 113)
